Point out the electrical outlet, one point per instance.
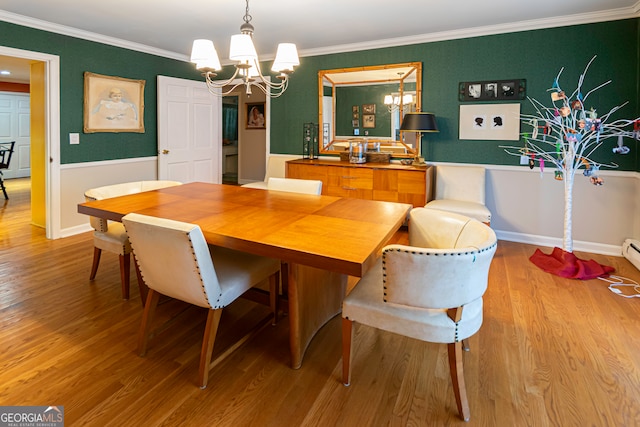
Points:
(74, 138)
(524, 160)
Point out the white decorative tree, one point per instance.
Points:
(567, 135)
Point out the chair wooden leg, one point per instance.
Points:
(147, 319)
(96, 261)
(125, 265)
(457, 379)
(274, 298)
(347, 332)
(210, 331)
(142, 287)
(4, 190)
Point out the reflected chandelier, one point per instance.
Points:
(242, 50)
(393, 101)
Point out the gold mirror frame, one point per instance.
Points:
(400, 74)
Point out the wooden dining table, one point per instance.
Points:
(322, 239)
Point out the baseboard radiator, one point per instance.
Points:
(631, 251)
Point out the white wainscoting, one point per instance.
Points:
(525, 207)
(76, 178)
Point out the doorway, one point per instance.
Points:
(45, 80)
(230, 139)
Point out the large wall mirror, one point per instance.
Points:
(367, 104)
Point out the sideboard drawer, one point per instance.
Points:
(391, 183)
(361, 179)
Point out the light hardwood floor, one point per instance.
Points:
(551, 352)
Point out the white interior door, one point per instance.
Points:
(189, 131)
(15, 125)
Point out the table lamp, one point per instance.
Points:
(419, 122)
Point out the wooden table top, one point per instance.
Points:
(331, 233)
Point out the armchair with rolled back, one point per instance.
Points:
(430, 290)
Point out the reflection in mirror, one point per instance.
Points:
(367, 104)
(230, 139)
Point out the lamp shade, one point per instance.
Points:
(286, 58)
(419, 122)
(204, 54)
(242, 49)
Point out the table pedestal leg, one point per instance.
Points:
(315, 296)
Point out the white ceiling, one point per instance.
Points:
(168, 27)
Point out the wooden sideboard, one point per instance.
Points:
(375, 181)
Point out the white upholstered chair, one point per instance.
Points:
(294, 185)
(276, 168)
(461, 189)
(175, 260)
(430, 290)
(110, 236)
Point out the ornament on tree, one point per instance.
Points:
(571, 135)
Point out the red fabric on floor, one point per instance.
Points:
(566, 264)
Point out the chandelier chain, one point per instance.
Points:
(247, 17)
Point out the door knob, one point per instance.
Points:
(165, 151)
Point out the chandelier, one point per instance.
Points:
(393, 101)
(242, 50)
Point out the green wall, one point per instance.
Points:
(78, 56)
(347, 97)
(536, 56)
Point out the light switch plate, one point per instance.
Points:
(74, 138)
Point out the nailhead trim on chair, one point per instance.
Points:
(204, 291)
(415, 252)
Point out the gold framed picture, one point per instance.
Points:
(113, 104)
(368, 120)
(368, 108)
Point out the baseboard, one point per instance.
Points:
(592, 247)
(78, 229)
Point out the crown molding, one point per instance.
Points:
(87, 35)
(537, 24)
